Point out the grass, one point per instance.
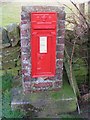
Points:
(63, 93)
(66, 90)
(10, 13)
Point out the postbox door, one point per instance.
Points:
(43, 47)
(43, 54)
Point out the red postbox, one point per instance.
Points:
(43, 43)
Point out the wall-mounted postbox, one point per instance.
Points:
(43, 43)
(42, 47)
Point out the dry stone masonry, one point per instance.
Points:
(41, 83)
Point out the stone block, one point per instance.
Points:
(59, 55)
(60, 41)
(13, 33)
(60, 47)
(5, 39)
(47, 103)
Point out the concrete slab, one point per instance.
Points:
(45, 104)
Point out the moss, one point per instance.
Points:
(65, 92)
(14, 71)
(49, 102)
(1, 72)
(70, 117)
(10, 58)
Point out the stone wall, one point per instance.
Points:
(10, 44)
(43, 83)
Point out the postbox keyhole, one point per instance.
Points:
(40, 57)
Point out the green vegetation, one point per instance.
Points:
(6, 96)
(62, 93)
(80, 70)
(11, 58)
(6, 82)
(6, 108)
(65, 94)
(10, 13)
(61, 101)
(56, 98)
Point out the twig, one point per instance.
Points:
(73, 50)
(73, 12)
(71, 76)
(81, 14)
(67, 53)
